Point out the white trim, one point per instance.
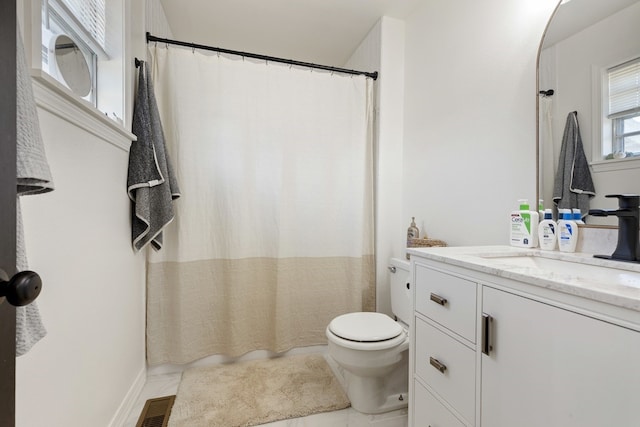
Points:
(616, 164)
(59, 100)
(597, 119)
(124, 410)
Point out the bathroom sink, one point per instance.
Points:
(608, 272)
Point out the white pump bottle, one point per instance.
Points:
(547, 230)
(568, 232)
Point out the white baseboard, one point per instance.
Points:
(122, 414)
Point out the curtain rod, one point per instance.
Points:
(151, 38)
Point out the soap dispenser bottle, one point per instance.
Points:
(524, 226)
(567, 231)
(547, 231)
(412, 232)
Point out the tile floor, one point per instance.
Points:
(167, 384)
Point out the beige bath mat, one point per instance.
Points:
(256, 392)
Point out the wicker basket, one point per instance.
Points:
(426, 243)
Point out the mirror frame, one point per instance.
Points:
(544, 34)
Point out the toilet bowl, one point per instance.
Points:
(371, 350)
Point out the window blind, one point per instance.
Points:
(624, 89)
(91, 15)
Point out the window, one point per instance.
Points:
(90, 14)
(82, 45)
(623, 110)
(73, 40)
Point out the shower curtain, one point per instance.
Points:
(273, 235)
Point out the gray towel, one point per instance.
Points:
(151, 183)
(33, 177)
(573, 187)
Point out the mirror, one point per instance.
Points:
(583, 39)
(71, 65)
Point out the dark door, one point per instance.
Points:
(7, 206)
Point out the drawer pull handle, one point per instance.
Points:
(487, 335)
(437, 364)
(438, 299)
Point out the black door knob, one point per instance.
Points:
(21, 289)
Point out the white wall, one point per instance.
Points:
(599, 47)
(92, 360)
(383, 51)
(156, 20)
(470, 115)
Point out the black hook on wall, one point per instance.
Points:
(138, 62)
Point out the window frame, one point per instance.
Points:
(56, 98)
(625, 110)
(619, 135)
(603, 127)
(87, 49)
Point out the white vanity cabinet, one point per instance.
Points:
(443, 348)
(553, 362)
(553, 367)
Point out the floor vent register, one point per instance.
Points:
(156, 412)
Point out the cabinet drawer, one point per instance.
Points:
(447, 300)
(428, 411)
(447, 366)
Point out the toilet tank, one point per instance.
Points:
(401, 294)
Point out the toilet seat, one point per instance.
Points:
(365, 327)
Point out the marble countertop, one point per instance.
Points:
(612, 282)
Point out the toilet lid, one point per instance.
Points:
(365, 327)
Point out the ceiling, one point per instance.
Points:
(325, 31)
(318, 31)
(576, 15)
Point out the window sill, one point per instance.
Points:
(615, 164)
(59, 100)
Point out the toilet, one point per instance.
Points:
(370, 351)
